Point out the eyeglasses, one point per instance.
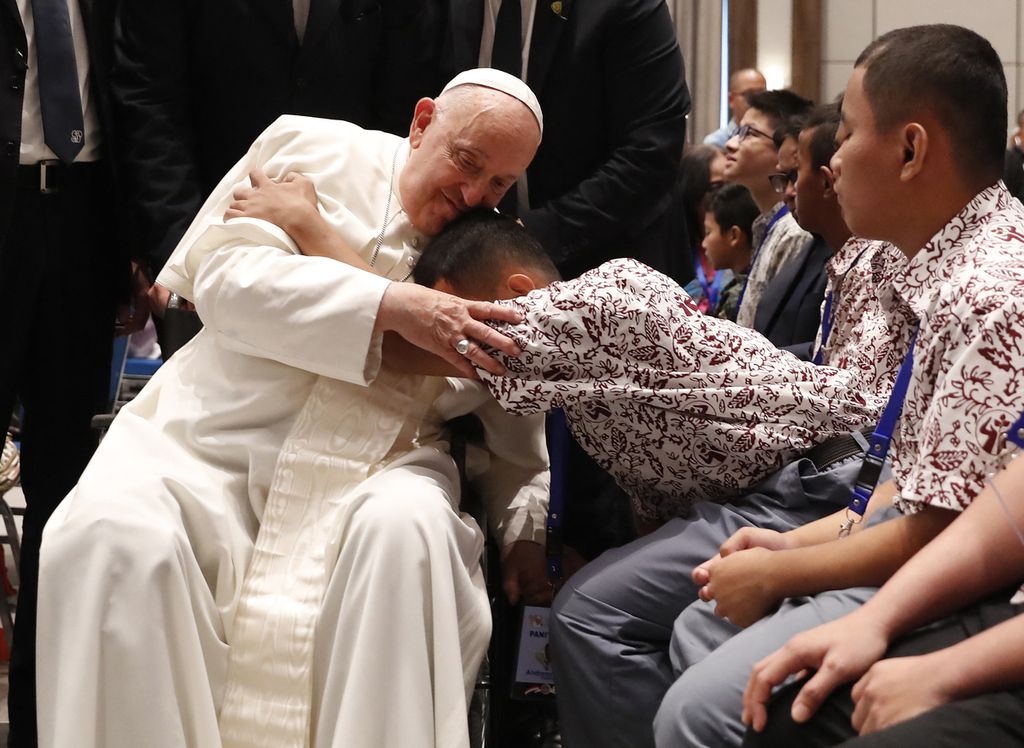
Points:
(781, 180)
(746, 130)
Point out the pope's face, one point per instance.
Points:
(464, 157)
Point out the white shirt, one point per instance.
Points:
(529, 9)
(33, 145)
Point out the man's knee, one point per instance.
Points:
(404, 521)
(687, 714)
(124, 545)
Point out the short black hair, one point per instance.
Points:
(956, 74)
(824, 120)
(474, 249)
(789, 129)
(779, 105)
(732, 205)
(693, 186)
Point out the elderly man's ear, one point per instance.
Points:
(423, 115)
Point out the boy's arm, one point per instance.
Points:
(292, 205)
(749, 584)
(976, 555)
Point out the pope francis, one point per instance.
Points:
(267, 548)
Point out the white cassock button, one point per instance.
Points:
(410, 261)
(415, 242)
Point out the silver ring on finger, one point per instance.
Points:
(462, 347)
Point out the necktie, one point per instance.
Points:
(63, 128)
(507, 53)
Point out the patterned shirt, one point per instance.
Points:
(871, 325)
(677, 405)
(782, 242)
(967, 388)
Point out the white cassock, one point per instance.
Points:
(267, 549)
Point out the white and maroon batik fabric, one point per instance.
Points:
(677, 405)
(872, 326)
(967, 287)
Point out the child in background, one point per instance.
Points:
(727, 242)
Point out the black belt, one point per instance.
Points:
(835, 450)
(48, 177)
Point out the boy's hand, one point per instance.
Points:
(897, 690)
(840, 651)
(288, 203)
(742, 586)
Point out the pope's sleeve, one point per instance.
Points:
(312, 313)
(516, 485)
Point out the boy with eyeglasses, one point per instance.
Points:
(751, 156)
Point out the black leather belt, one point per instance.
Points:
(835, 450)
(48, 177)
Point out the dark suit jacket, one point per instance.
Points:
(609, 77)
(789, 312)
(196, 81)
(98, 19)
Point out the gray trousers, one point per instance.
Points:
(612, 623)
(712, 659)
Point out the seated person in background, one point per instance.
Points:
(670, 401)
(957, 683)
(700, 174)
(727, 225)
(789, 311)
(751, 157)
(908, 173)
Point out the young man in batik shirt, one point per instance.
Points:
(678, 406)
(965, 285)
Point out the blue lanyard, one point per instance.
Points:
(826, 329)
(1016, 432)
(878, 445)
(711, 290)
(757, 252)
(558, 451)
(826, 317)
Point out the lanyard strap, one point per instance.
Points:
(757, 252)
(826, 328)
(557, 431)
(827, 316)
(878, 446)
(1016, 432)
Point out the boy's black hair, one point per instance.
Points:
(824, 120)
(475, 249)
(732, 205)
(957, 75)
(780, 105)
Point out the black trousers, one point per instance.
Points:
(987, 721)
(58, 278)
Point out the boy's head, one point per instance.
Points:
(923, 123)
(806, 168)
(728, 225)
(484, 255)
(752, 154)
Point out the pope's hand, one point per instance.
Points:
(437, 322)
(900, 689)
(840, 651)
(741, 585)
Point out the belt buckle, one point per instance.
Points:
(48, 176)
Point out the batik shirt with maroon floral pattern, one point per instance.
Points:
(678, 406)
(967, 387)
(871, 325)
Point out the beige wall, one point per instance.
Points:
(849, 25)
